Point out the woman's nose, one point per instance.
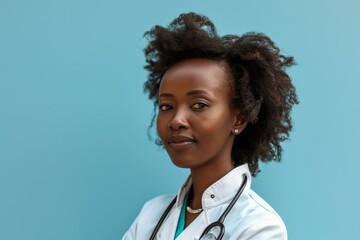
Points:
(179, 121)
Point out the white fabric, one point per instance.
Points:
(250, 218)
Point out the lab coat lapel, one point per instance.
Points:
(167, 231)
(194, 230)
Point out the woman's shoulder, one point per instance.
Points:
(158, 202)
(259, 219)
(258, 204)
(154, 207)
(148, 217)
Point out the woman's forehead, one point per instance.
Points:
(195, 73)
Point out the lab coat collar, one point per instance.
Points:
(221, 191)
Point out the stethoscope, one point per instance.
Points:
(219, 223)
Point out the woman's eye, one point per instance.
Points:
(165, 107)
(199, 105)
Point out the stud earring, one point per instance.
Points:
(236, 131)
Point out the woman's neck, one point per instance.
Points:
(201, 180)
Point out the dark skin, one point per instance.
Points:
(196, 122)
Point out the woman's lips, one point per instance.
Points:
(180, 142)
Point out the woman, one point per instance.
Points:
(223, 105)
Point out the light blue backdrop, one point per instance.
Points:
(75, 160)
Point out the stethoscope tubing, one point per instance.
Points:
(161, 220)
(219, 223)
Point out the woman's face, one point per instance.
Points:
(195, 120)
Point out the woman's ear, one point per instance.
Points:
(239, 124)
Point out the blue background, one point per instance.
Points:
(75, 159)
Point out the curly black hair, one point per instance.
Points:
(262, 89)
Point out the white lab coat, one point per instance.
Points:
(250, 218)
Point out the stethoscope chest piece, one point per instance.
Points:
(211, 231)
(208, 236)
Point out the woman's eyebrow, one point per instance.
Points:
(194, 92)
(166, 95)
(198, 92)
